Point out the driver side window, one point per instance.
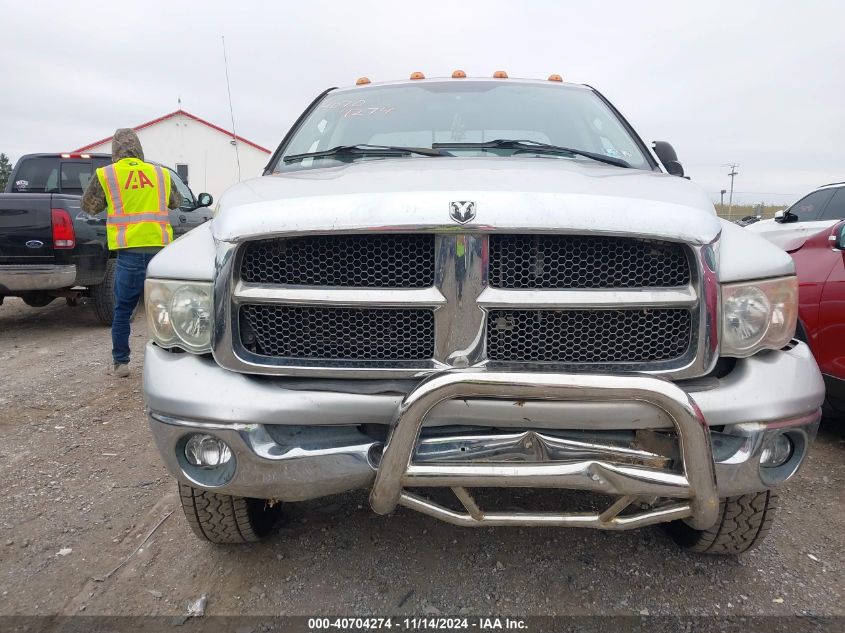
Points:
(808, 208)
(188, 202)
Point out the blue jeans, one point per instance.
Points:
(128, 287)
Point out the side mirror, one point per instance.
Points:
(784, 216)
(839, 238)
(667, 155)
(204, 200)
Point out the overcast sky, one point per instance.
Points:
(759, 83)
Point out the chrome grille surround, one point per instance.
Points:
(461, 299)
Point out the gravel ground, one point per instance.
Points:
(82, 487)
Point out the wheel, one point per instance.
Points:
(226, 519)
(37, 299)
(102, 295)
(743, 523)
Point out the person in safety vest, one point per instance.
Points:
(137, 196)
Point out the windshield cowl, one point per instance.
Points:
(351, 151)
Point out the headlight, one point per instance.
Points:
(758, 315)
(179, 313)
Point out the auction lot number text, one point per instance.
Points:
(417, 624)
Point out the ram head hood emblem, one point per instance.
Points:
(462, 211)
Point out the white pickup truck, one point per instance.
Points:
(465, 284)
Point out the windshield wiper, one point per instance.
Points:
(363, 149)
(534, 146)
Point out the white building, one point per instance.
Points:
(202, 153)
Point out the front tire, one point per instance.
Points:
(225, 519)
(102, 295)
(743, 523)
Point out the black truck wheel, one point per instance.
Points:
(226, 519)
(102, 295)
(743, 523)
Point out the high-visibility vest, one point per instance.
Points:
(137, 194)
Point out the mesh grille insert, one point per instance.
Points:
(578, 261)
(367, 261)
(588, 336)
(337, 333)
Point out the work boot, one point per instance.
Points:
(121, 370)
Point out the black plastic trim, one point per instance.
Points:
(629, 128)
(274, 159)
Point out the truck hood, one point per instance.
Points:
(520, 194)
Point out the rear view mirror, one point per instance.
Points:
(779, 215)
(204, 200)
(667, 155)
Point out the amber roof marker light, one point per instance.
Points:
(459, 74)
(417, 75)
(362, 81)
(555, 77)
(500, 74)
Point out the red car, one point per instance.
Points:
(820, 263)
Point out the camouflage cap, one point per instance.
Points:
(125, 144)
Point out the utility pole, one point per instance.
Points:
(732, 174)
(722, 197)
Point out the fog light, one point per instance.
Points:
(207, 451)
(777, 451)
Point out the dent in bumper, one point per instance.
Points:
(300, 464)
(296, 465)
(300, 443)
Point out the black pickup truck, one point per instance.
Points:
(50, 248)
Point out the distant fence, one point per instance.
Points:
(740, 211)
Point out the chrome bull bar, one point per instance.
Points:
(696, 487)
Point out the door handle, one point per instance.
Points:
(183, 219)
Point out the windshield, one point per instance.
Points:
(465, 112)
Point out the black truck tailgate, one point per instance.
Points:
(26, 228)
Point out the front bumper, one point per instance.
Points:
(34, 277)
(294, 440)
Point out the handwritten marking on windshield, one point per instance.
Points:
(357, 108)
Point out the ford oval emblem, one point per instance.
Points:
(34, 244)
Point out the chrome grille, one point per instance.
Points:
(588, 336)
(337, 333)
(403, 306)
(364, 261)
(580, 261)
